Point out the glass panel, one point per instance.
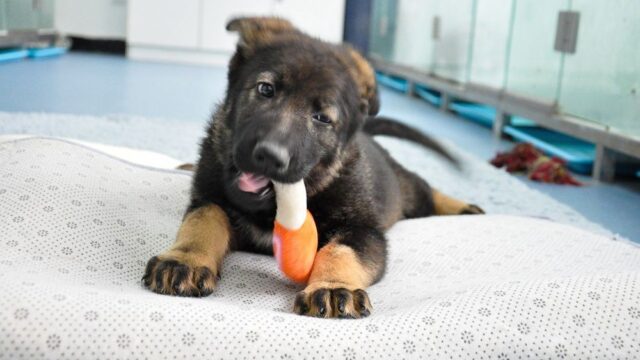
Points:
(45, 14)
(452, 48)
(490, 37)
(3, 15)
(534, 66)
(413, 39)
(601, 81)
(21, 15)
(383, 28)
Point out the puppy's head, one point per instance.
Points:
(293, 102)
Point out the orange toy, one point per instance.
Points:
(295, 237)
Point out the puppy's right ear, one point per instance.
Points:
(258, 31)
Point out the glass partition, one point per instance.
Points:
(451, 50)
(20, 15)
(413, 45)
(488, 59)
(533, 64)
(382, 29)
(3, 15)
(601, 81)
(45, 14)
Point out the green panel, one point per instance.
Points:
(490, 40)
(3, 15)
(45, 14)
(534, 66)
(21, 15)
(413, 44)
(383, 28)
(601, 81)
(452, 49)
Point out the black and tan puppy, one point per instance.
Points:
(297, 108)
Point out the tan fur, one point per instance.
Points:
(338, 266)
(204, 237)
(335, 287)
(445, 205)
(257, 31)
(362, 72)
(202, 242)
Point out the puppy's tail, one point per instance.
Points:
(389, 127)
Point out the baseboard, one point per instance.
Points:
(175, 55)
(109, 46)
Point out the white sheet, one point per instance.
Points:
(78, 227)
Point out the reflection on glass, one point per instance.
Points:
(601, 81)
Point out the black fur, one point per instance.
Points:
(355, 189)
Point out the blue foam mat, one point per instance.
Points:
(484, 114)
(393, 82)
(38, 53)
(13, 54)
(431, 96)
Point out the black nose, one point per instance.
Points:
(271, 156)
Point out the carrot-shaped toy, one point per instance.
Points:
(295, 237)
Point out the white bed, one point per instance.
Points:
(78, 226)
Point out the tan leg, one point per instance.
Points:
(336, 285)
(192, 264)
(445, 205)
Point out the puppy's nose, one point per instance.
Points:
(271, 156)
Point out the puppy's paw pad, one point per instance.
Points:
(172, 276)
(333, 303)
(472, 210)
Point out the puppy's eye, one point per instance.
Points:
(322, 118)
(266, 89)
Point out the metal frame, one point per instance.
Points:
(17, 38)
(543, 113)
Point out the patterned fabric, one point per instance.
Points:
(78, 227)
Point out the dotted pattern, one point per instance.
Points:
(78, 227)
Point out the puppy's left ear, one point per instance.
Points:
(258, 31)
(365, 77)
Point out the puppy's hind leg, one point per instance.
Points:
(422, 200)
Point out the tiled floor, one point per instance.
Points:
(100, 84)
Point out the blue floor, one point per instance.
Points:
(100, 84)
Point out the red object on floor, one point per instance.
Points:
(525, 157)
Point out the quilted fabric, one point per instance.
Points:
(78, 227)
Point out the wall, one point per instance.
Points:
(92, 18)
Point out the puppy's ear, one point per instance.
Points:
(365, 77)
(258, 31)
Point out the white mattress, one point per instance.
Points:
(79, 225)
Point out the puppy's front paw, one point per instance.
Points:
(325, 302)
(182, 274)
(472, 210)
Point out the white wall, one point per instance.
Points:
(92, 18)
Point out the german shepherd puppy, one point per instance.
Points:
(297, 108)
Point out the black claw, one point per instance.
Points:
(300, 306)
(151, 264)
(319, 300)
(364, 312)
(341, 296)
(180, 274)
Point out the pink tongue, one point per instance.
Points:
(252, 183)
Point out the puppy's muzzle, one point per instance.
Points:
(271, 157)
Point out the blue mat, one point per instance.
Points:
(484, 114)
(577, 153)
(12, 55)
(393, 82)
(431, 96)
(37, 53)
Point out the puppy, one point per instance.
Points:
(297, 108)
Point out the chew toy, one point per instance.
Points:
(295, 237)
